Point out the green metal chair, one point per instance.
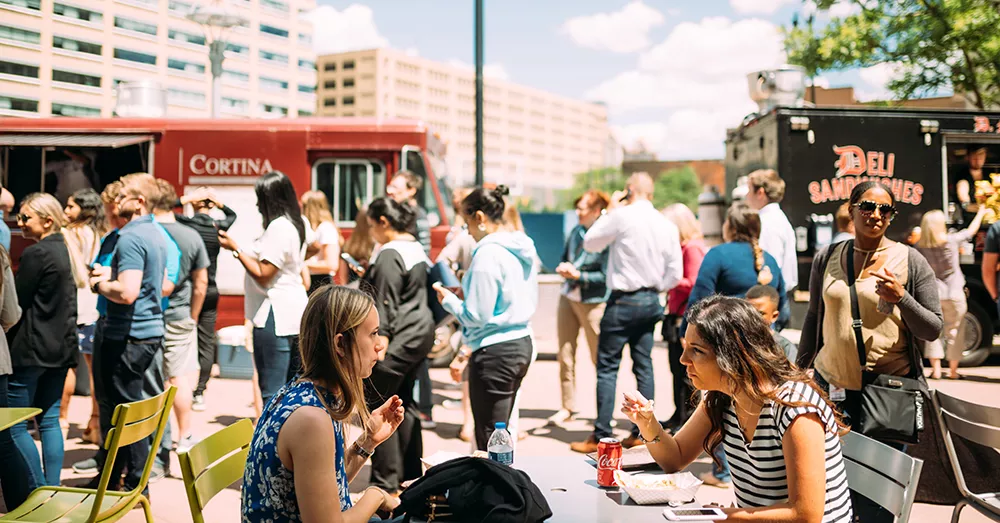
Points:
(214, 463)
(978, 424)
(132, 422)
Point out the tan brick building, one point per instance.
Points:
(534, 141)
(64, 57)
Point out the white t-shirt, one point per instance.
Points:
(327, 234)
(286, 295)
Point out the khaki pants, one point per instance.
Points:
(952, 341)
(571, 316)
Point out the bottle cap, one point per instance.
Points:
(500, 425)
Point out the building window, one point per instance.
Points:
(188, 98)
(307, 64)
(330, 84)
(329, 102)
(27, 4)
(187, 67)
(179, 7)
(134, 25)
(188, 38)
(348, 100)
(16, 69)
(348, 82)
(305, 112)
(308, 89)
(235, 76)
(273, 31)
(268, 56)
(135, 56)
(305, 38)
(272, 84)
(348, 65)
(273, 110)
(77, 13)
(18, 104)
(330, 66)
(75, 110)
(239, 50)
(235, 105)
(76, 78)
(275, 4)
(20, 35)
(69, 44)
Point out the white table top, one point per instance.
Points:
(569, 484)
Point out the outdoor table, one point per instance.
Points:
(569, 484)
(11, 417)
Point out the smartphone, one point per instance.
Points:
(352, 263)
(628, 194)
(693, 514)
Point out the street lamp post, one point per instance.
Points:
(215, 20)
(479, 93)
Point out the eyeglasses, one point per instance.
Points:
(868, 207)
(23, 218)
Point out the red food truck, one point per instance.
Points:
(351, 160)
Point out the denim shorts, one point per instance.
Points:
(85, 334)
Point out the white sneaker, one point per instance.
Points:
(561, 416)
(186, 443)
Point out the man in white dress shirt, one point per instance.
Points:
(644, 261)
(777, 238)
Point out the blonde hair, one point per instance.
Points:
(687, 225)
(47, 206)
(316, 208)
(512, 219)
(933, 232)
(111, 192)
(336, 310)
(142, 184)
(767, 179)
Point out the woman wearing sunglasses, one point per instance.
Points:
(897, 300)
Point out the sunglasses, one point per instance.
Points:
(868, 207)
(23, 218)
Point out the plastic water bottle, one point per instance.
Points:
(500, 447)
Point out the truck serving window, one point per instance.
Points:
(349, 185)
(413, 161)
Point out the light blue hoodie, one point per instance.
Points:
(501, 290)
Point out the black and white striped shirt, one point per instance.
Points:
(758, 468)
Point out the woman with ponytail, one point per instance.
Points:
(731, 269)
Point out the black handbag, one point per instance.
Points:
(891, 407)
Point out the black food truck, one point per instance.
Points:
(822, 153)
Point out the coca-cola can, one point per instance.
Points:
(609, 459)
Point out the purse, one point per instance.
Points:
(891, 407)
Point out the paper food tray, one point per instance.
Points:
(635, 458)
(686, 488)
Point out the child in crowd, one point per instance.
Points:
(765, 299)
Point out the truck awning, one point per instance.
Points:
(113, 141)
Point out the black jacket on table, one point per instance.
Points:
(398, 278)
(46, 335)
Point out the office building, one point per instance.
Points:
(65, 57)
(534, 141)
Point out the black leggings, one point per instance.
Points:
(495, 374)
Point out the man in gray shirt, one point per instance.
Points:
(180, 354)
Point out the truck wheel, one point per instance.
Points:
(978, 336)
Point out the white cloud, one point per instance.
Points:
(877, 77)
(352, 29)
(688, 134)
(844, 9)
(767, 7)
(496, 71)
(820, 81)
(624, 31)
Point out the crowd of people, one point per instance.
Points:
(128, 282)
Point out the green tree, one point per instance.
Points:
(609, 180)
(677, 185)
(934, 45)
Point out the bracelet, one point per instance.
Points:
(654, 440)
(361, 451)
(93, 288)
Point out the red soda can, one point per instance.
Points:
(609, 459)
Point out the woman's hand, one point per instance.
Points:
(638, 409)
(385, 420)
(227, 242)
(442, 291)
(888, 287)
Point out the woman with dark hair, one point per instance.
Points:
(500, 292)
(397, 276)
(885, 271)
(274, 295)
(767, 414)
(731, 269)
(360, 246)
(87, 225)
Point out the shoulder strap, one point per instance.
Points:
(855, 308)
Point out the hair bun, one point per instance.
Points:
(501, 190)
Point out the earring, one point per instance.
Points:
(482, 227)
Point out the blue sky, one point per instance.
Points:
(672, 72)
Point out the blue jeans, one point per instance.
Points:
(628, 318)
(15, 476)
(41, 388)
(272, 355)
(721, 473)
